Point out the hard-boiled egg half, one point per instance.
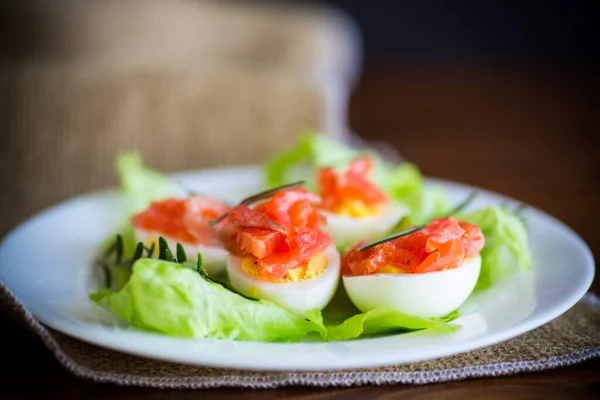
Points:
(428, 273)
(305, 287)
(185, 221)
(355, 208)
(278, 252)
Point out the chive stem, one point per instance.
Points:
(270, 192)
(181, 256)
(162, 248)
(462, 205)
(119, 247)
(150, 251)
(259, 196)
(168, 255)
(139, 251)
(185, 188)
(391, 237)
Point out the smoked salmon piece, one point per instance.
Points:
(444, 243)
(281, 233)
(184, 220)
(351, 185)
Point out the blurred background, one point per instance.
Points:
(497, 94)
(438, 31)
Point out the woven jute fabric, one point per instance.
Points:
(188, 84)
(571, 338)
(63, 129)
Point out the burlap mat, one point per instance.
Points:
(570, 338)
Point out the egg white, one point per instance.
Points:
(347, 231)
(214, 259)
(431, 294)
(297, 297)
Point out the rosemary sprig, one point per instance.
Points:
(276, 227)
(268, 193)
(163, 246)
(459, 207)
(110, 249)
(164, 253)
(114, 256)
(519, 210)
(391, 237)
(181, 256)
(519, 214)
(185, 188)
(106, 260)
(107, 276)
(260, 196)
(217, 220)
(202, 271)
(119, 248)
(150, 251)
(204, 274)
(462, 205)
(139, 251)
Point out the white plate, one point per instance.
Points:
(46, 262)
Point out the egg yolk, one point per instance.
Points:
(358, 209)
(391, 269)
(351, 192)
(314, 268)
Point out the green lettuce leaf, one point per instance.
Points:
(343, 321)
(312, 151)
(402, 182)
(506, 248)
(140, 185)
(173, 299)
(384, 320)
(129, 241)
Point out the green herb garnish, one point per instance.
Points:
(119, 248)
(162, 248)
(408, 231)
(260, 196)
(391, 237)
(181, 256)
(268, 193)
(519, 214)
(113, 257)
(165, 254)
(150, 250)
(139, 251)
(462, 205)
(186, 189)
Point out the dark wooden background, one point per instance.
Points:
(530, 132)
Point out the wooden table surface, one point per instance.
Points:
(528, 132)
